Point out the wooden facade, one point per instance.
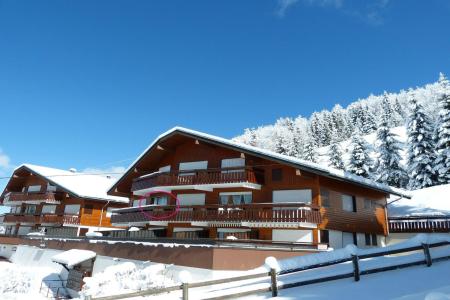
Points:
(44, 207)
(262, 176)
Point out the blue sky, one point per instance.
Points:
(89, 84)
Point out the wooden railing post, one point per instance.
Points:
(273, 280)
(426, 252)
(355, 261)
(185, 288)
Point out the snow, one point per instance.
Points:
(428, 201)
(73, 257)
(416, 283)
(23, 283)
(94, 234)
(312, 259)
(126, 278)
(314, 167)
(80, 184)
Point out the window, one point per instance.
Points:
(367, 238)
(288, 196)
(158, 200)
(136, 203)
(277, 174)
(325, 196)
(374, 240)
(371, 239)
(30, 209)
(349, 203)
(324, 236)
(88, 209)
(48, 209)
(72, 209)
(51, 188)
(34, 189)
(194, 165)
(368, 204)
(233, 163)
(235, 198)
(349, 238)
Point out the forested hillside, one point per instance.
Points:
(423, 111)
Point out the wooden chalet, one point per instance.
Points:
(59, 202)
(228, 190)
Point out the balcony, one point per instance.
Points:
(42, 219)
(200, 179)
(247, 215)
(419, 224)
(32, 198)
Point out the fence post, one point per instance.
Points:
(185, 287)
(273, 280)
(426, 252)
(355, 260)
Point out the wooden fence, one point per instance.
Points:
(273, 275)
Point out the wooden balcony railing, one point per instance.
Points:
(253, 213)
(48, 197)
(40, 219)
(199, 177)
(419, 224)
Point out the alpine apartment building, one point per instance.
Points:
(228, 190)
(59, 202)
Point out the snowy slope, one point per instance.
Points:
(429, 201)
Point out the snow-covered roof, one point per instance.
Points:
(432, 201)
(80, 184)
(73, 257)
(313, 167)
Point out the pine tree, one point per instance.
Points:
(442, 162)
(335, 156)
(388, 167)
(388, 112)
(421, 156)
(360, 162)
(309, 152)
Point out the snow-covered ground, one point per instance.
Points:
(416, 283)
(23, 282)
(429, 201)
(19, 282)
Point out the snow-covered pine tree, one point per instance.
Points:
(388, 166)
(421, 155)
(368, 123)
(387, 111)
(360, 162)
(335, 156)
(442, 162)
(309, 152)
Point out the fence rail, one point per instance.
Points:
(273, 275)
(419, 224)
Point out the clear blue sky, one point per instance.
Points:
(88, 83)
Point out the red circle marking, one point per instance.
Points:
(149, 216)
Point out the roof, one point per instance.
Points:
(424, 202)
(302, 164)
(79, 184)
(73, 257)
